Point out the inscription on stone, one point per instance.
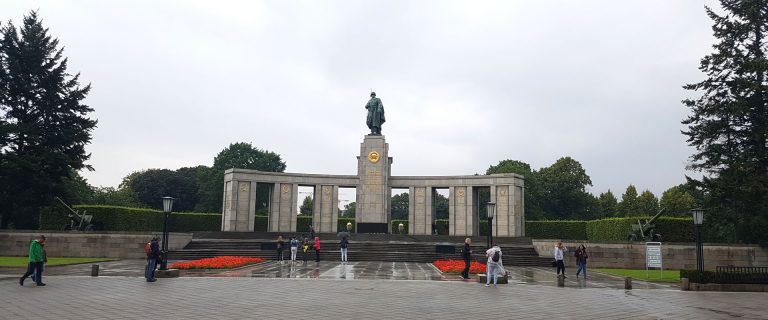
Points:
(373, 181)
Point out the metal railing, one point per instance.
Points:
(733, 274)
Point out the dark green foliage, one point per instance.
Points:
(677, 201)
(341, 225)
(628, 204)
(306, 206)
(728, 123)
(44, 126)
(112, 218)
(608, 204)
(153, 184)
(350, 209)
(612, 229)
(647, 204)
(303, 223)
(261, 223)
(442, 226)
(564, 184)
(533, 193)
(399, 206)
(567, 229)
(440, 203)
(395, 223)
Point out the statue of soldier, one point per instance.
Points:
(375, 114)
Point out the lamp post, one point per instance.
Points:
(698, 219)
(167, 208)
(491, 206)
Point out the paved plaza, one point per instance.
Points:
(380, 290)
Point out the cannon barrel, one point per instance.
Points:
(658, 214)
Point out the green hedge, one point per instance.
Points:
(114, 218)
(341, 225)
(612, 229)
(303, 223)
(442, 226)
(394, 224)
(571, 230)
(261, 223)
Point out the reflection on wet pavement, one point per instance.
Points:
(363, 270)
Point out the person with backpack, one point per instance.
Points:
(344, 244)
(152, 249)
(294, 248)
(559, 251)
(35, 261)
(493, 266)
(316, 246)
(42, 268)
(581, 261)
(280, 245)
(466, 253)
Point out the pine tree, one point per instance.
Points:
(44, 126)
(628, 204)
(728, 124)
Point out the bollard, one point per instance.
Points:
(94, 270)
(561, 280)
(685, 284)
(628, 283)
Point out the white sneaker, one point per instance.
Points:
(487, 285)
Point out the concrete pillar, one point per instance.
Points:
(325, 209)
(460, 211)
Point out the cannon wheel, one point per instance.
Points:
(90, 227)
(657, 237)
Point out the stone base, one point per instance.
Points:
(735, 287)
(500, 280)
(170, 273)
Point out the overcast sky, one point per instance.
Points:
(464, 84)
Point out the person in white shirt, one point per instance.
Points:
(560, 251)
(493, 266)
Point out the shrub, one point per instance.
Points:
(570, 230)
(341, 225)
(303, 223)
(114, 218)
(394, 224)
(612, 229)
(261, 223)
(442, 226)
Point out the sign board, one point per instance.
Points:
(653, 256)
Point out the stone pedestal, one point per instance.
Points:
(373, 194)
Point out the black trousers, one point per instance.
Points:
(35, 267)
(465, 272)
(280, 254)
(560, 266)
(317, 255)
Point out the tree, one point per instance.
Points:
(533, 192)
(628, 204)
(350, 209)
(44, 126)
(239, 155)
(564, 188)
(647, 204)
(608, 203)
(399, 206)
(306, 206)
(728, 124)
(152, 185)
(677, 201)
(441, 206)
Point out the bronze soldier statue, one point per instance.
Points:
(375, 114)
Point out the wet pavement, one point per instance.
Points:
(348, 271)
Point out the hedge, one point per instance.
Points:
(261, 223)
(341, 225)
(611, 229)
(114, 218)
(571, 230)
(394, 226)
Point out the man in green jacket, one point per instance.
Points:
(35, 261)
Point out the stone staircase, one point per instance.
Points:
(362, 247)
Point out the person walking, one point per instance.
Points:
(153, 254)
(35, 261)
(559, 252)
(280, 246)
(294, 248)
(316, 246)
(42, 268)
(581, 261)
(493, 266)
(466, 253)
(344, 244)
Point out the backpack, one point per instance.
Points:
(496, 256)
(148, 249)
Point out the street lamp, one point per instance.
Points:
(167, 208)
(698, 220)
(491, 206)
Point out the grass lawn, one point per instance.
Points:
(23, 261)
(653, 275)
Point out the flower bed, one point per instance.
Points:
(226, 262)
(456, 266)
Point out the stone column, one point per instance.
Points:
(282, 210)
(504, 217)
(242, 208)
(460, 211)
(229, 216)
(325, 209)
(421, 223)
(519, 211)
(373, 169)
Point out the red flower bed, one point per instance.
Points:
(226, 262)
(456, 266)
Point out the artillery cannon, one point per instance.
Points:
(77, 221)
(646, 231)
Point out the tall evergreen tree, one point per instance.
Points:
(728, 124)
(44, 126)
(628, 204)
(608, 203)
(647, 204)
